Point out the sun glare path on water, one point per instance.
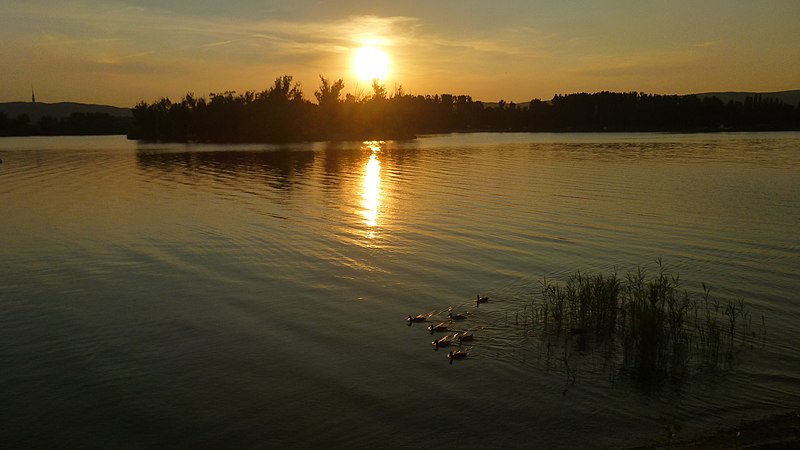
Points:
(370, 63)
(371, 194)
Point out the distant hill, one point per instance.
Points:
(520, 105)
(58, 110)
(788, 97)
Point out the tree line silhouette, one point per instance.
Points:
(76, 124)
(281, 113)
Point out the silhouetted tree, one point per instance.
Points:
(328, 94)
(378, 90)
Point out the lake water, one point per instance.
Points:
(256, 296)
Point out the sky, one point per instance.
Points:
(119, 52)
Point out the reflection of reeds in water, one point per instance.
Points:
(645, 326)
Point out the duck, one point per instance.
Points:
(417, 318)
(452, 316)
(457, 354)
(443, 342)
(465, 336)
(481, 300)
(441, 326)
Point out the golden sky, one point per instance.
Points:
(119, 52)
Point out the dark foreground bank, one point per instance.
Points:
(775, 432)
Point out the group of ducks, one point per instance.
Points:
(443, 326)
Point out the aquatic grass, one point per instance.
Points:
(656, 329)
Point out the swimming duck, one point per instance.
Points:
(441, 326)
(443, 342)
(465, 336)
(417, 318)
(457, 354)
(452, 316)
(481, 300)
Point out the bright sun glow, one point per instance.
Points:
(370, 63)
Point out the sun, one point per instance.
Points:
(370, 63)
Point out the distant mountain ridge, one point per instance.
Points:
(36, 111)
(791, 97)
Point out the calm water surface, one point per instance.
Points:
(255, 296)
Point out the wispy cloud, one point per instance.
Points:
(708, 44)
(636, 65)
(161, 32)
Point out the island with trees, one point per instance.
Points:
(281, 113)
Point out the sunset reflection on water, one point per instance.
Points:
(371, 193)
(322, 248)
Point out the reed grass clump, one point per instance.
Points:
(655, 328)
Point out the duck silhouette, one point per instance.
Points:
(452, 316)
(457, 354)
(443, 342)
(465, 336)
(417, 318)
(441, 326)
